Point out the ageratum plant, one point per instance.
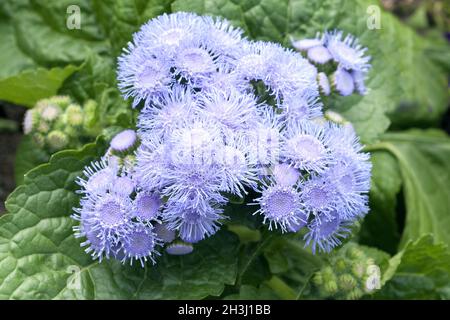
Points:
(205, 132)
(223, 150)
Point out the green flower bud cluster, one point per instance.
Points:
(58, 123)
(349, 274)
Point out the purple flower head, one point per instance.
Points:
(352, 180)
(191, 223)
(143, 76)
(264, 138)
(194, 62)
(152, 161)
(165, 234)
(140, 245)
(183, 165)
(319, 196)
(223, 38)
(285, 174)
(306, 146)
(146, 206)
(167, 111)
(325, 234)
(97, 247)
(124, 141)
(224, 78)
(179, 248)
(347, 51)
(196, 184)
(306, 44)
(343, 82)
(281, 70)
(195, 141)
(229, 108)
(353, 63)
(123, 185)
(345, 143)
(238, 163)
(108, 215)
(324, 83)
(281, 206)
(168, 31)
(302, 106)
(98, 177)
(319, 54)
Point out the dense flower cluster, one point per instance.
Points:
(220, 116)
(352, 63)
(58, 122)
(350, 273)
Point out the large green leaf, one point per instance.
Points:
(380, 227)
(29, 86)
(404, 82)
(38, 252)
(420, 271)
(424, 161)
(37, 43)
(28, 156)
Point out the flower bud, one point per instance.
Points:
(179, 248)
(61, 101)
(334, 117)
(57, 140)
(74, 115)
(30, 121)
(347, 282)
(50, 112)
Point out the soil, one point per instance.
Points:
(8, 146)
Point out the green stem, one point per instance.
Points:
(281, 288)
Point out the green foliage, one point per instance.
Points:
(28, 156)
(380, 227)
(420, 271)
(27, 87)
(423, 158)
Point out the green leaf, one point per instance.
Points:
(421, 94)
(424, 160)
(38, 42)
(27, 87)
(380, 227)
(41, 259)
(41, 32)
(420, 271)
(247, 292)
(28, 156)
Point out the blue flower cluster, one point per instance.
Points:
(352, 62)
(219, 116)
